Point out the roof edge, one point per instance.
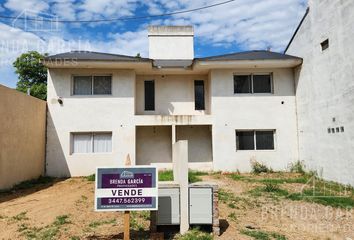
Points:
(297, 29)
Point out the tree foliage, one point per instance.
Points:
(32, 74)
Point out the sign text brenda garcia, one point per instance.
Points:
(125, 189)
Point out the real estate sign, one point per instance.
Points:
(125, 189)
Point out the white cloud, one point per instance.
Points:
(251, 24)
(33, 5)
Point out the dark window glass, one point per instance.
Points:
(242, 84)
(149, 95)
(82, 85)
(325, 44)
(245, 140)
(199, 95)
(264, 140)
(102, 85)
(262, 84)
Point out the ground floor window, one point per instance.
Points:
(255, 139)
(91, 142)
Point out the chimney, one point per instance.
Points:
(171, 42)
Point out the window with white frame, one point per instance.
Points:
(253, 83)
(92, 85)
(92, 142)
(255, 139)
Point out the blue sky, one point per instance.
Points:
(237, 26)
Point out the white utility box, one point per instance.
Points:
(200, 205)
(169, 208)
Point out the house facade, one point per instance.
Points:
(231, 108)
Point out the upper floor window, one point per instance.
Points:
(199, 95)
(253, 83)
(149, 92)
(92, 85)
(255, 139)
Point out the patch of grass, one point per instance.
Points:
(166, 175)
(262, 235)
(61, 220)
(134, 223)
(95, 224)
(231, 205)
(49, 233)
(271, 189)
(326, 193)
(258, 168)
(320, 198)
(232, 216)
(225, 196)
(196, 234)
(74, 238)
(2, 216)
(236, 176)
(19, 217)
(91, 178)
(297, 167)
(193, 176)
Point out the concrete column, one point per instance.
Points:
(180, 173)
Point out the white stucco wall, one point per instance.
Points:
(174, 94)
(253, 111)
(199, 142)
(325, 89)
(171, 42)
(116, 113)
(153, 144)
(86, 114)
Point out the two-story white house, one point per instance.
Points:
(231, 108)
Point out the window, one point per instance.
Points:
(255, 139)
(94, 142)
(325, 44)
(253, 83)
(149, 95)
(92, 85)
(199, 103)
(242, 84)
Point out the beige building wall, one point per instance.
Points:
(22, 137)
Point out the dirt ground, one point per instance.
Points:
(63, 209)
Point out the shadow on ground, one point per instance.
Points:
(28, 187)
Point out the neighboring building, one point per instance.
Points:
(325, 88)
(231, 108)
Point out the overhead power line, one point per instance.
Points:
(122, 18)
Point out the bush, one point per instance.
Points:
(297, 167)
(271, 187)
(258, 167)
(196, 234)
(91, 178)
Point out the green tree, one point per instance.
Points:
(32, 74)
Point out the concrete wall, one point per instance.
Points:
(174, 94)
(113, 113)
(22, 137)
(199, 142)
(171, 42)
(325, 89)
(153, 145)
(253, 111)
